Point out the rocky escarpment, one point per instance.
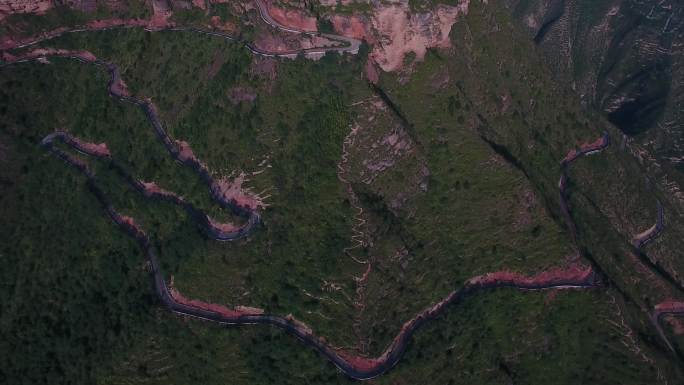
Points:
(572, 276)
(619, 54)
(394, 30)
(24, 6)
(625, 58)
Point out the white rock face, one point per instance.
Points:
(394, 30)
(400, 31)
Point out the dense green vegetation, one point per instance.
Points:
(76, 297)
(302, 155)
(24, 25)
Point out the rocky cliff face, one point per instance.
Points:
(24, 6)
(292, 17)
(394, 30)
(618, 54)
(398, 31)
(625, 58)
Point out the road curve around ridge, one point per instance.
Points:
(214, 230)
(357, 367)
(360, 368)
(661, 310)
(350, 45)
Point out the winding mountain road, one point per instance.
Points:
(353, 366)
(349, 45)
(572, 277)
(213, 229)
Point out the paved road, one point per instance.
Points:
(351, 45)
(597, 146)
(356, 367)
(211, 229)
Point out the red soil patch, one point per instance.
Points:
(221, 226)
(185, 151)
(9, 42)
(574, 273)
(352, 26)
(675, 307)
(548, 277)
(221, 25)
(228, 190)
(598, 143)
(199, 4)
(119, 87)
(670, 306)
(131, 224)
(274, 43)
(360, 363)
(233, 191)
(301, 326)
(129, 221)
(152, 188)
(223, 310)
(677, 325)
(8, 57)
(571, 156)
(249, 310)
(92, 148)
(401, 31)
(39, 7)
(159, 20)
(291, 43)
(292, 18)
(585, 148)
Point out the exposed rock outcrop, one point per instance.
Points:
(293, 17)
(9, 7)
(393, 30)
